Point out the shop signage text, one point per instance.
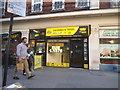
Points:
(56, 49)
(110, 33)
(82, 31)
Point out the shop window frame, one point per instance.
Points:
(111, 43)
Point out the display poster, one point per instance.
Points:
(37, 61)
(80, 31)
(110, 51)
(86, 66)
(55, 47)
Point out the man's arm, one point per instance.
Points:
(18, 52)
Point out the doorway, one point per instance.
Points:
(40, 50)
(77, 53)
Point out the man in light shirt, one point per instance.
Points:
(22, 58)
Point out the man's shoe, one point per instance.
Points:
(16, 78)
(31, 76)
(24, 74)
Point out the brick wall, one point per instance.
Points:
(104, 4)
(69, 7)
(47, 7)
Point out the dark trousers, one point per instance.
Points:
(30, 65)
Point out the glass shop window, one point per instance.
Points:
(110, 48)
(37, 34)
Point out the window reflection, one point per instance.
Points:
(36, 34)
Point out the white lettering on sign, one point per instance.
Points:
(56, 49)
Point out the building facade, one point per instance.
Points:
(72, 33)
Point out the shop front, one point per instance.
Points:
(63, 46)
(15, 40)
(110, 49)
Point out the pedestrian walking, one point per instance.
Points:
(22, 58)
(30, 59)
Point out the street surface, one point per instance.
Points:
(51, 77)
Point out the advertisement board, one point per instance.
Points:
(37, 61)
(17, 7)
(111, 51)
(79, 31)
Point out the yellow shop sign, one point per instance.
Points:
(61, 31)
(78, 31)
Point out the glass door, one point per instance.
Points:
(77, 53)
(40, 50)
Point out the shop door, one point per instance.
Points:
(77, 53)
(40, 50)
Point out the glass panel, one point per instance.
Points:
(83, 3)
(85, 46)
(2, 6)
(58, 4)
(32, 44)
(85, 50)
(36, 1)
(40, 47)
(109, 41)
(37, 7)
(15, 40)
(115, 3)
(110, 48)
(58, 54)
(36, 34)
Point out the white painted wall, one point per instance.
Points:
(94, 59)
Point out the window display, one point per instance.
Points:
(40, 47)
(109, 51)
(58, 53)
(109, 44)
(110, 48)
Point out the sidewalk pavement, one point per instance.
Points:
(51, 77)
